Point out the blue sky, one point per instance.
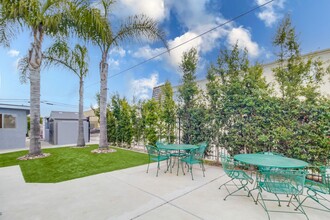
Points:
(181, 20)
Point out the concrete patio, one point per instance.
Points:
(132, 194)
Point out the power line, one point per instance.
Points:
(185, 42)
(46, 102)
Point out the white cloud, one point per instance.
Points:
(113, 64)
(203, 44)
(175, 56)
(154, 9)
(147, 52)
(243, 38)
(13, 53)
(118, 51)
(269, 13)
(142, 88)
(196, 19)
(191, 14)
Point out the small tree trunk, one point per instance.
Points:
(35, 58)
(81, 139)
(103, 143)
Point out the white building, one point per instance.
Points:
(323, 55)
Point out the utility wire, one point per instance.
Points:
(46, 102)
(149, 59)
(185, 42)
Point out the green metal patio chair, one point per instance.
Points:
(316, 190)
(156, 155)
(281, 182)
(231, 169)
(195, 157)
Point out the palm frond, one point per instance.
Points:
(23, 69)
(60, 54)
(7, 29)
(91, 25)
(139, 26)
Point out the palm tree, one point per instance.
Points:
(6, 31)
(75, 60)
(97, 28)
(42, 18)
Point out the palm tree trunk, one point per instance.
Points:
(103, 143)
(35, 58)
(81, 139)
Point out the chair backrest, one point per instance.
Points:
(283, 181)
(325, 173)
(159, 143)
(204, 144)
(200, 152)
(197, 154)
(228, 164)
(152, 150)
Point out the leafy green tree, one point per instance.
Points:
(168, 111)
(150, 112)
(295, 76)
(116, 111)
(41, 18)
(214, 113)
(191, 112)
(235, 91)
(124, 123)
(137, 122)
(111, 127)
(98, 28)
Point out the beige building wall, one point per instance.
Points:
(94, 121)
(323, 55)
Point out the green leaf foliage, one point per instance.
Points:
(192, 112)
(168, 113)
(150, 115)
(246, 115)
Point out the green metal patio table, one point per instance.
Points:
(179, 148)
(271, 161)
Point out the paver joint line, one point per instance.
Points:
(169, 202)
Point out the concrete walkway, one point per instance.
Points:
(131, 194)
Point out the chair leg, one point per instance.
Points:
(177, 171)
(263, 204)
(158, 167)
(182, 168)
(148, 165)
(288, 205)
(316, 199)
(278, 199)
(225, 183)
(203, 168)
(239, 188)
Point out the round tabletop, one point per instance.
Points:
(177, 147)
(267, 160)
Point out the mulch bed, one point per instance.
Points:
(103, 151)
(30, 157)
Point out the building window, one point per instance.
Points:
(0, 120)
(9, 121)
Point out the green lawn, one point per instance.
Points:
(69, 163)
